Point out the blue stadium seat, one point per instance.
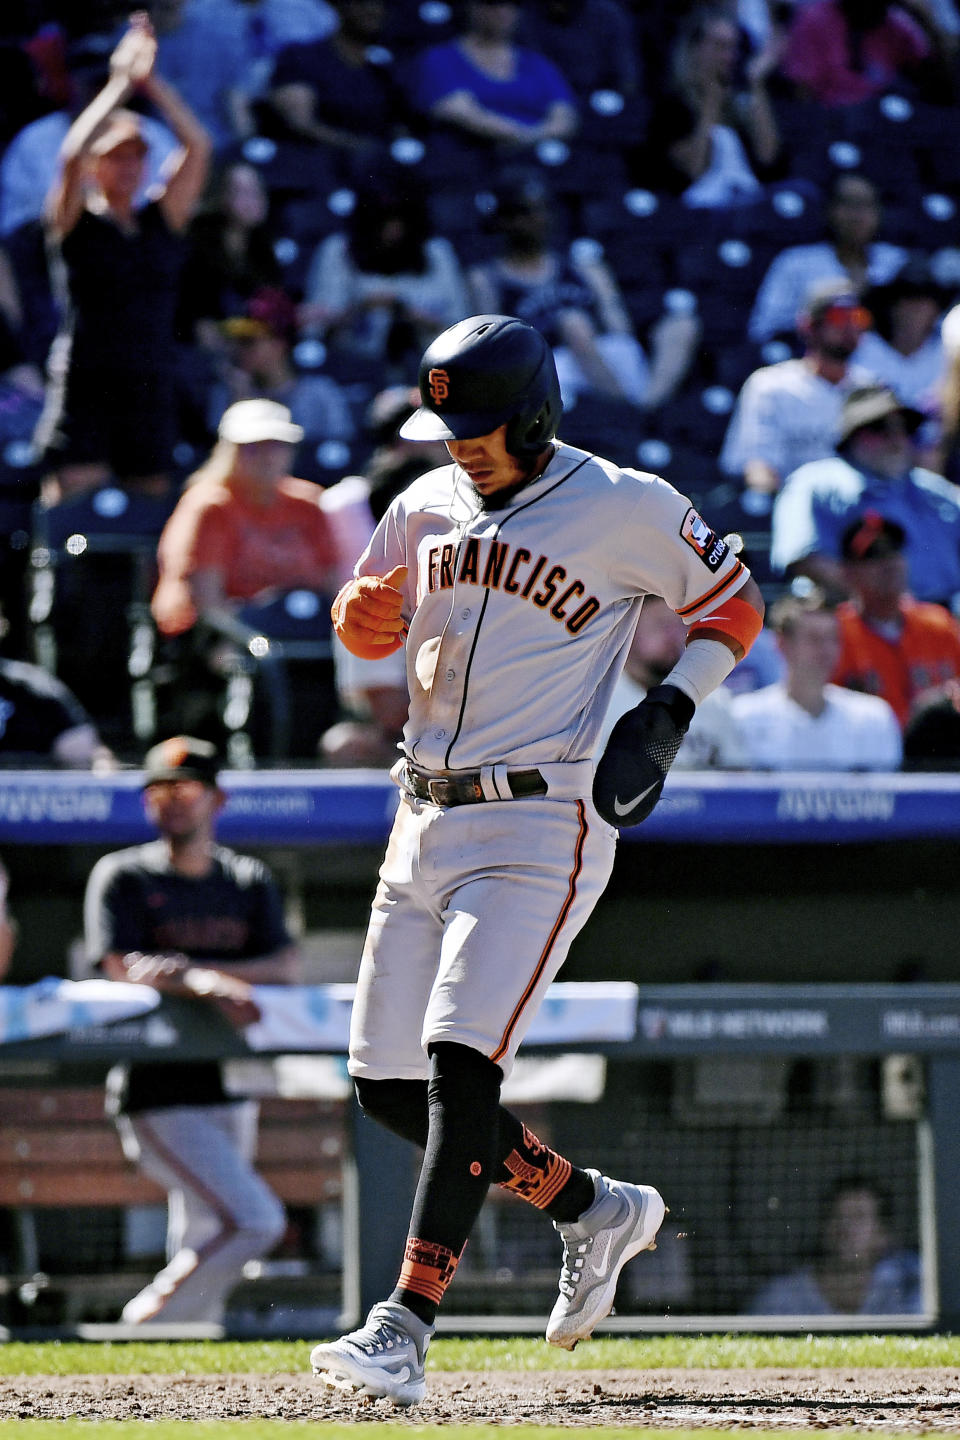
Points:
(94, 570)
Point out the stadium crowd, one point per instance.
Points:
(228, 228)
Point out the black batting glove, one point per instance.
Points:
(642, 746)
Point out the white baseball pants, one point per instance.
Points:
(220, 1214)
(476, 909)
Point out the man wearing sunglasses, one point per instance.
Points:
(875, 469)
(786, 413)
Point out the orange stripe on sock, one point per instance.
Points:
(556, 1178)
(538, 1187)
(551, 941)
(427, 1269)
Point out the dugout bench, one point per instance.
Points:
(59, 1153)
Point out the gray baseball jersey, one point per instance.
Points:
(519, 618)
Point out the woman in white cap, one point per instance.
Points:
(111, 406)
(243, 524)
(243, 528)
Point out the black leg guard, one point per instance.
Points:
(459, 1165)
(399, 1105)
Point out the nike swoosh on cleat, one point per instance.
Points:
(625, 808)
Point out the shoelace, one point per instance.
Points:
(371, 1340)
(572, 1273)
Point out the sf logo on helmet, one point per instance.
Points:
(438, 383)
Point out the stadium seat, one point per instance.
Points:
(93, 572)
(613, 428)
(698, 416)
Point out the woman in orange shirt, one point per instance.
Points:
(243, 528)
(243, 525)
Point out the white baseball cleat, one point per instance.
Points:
(622, 1221)
(384, 1358)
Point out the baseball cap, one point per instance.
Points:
(268, 312)
(872, 537)
(870, 403)
(182, 757)
(249, 421)
(120, 126)
(826, 295)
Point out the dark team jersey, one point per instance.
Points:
(35, 708)
(136, 901)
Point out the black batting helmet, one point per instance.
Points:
(484, 372)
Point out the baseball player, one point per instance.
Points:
(189, 917)
(514, 576)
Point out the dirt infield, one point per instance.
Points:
(905, 1400)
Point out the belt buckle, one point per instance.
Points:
(439, 790)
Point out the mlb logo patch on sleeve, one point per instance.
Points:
(708, 545)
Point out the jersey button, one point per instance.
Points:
(451, 674)
(439, 734)
(464, 614)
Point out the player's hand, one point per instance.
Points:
(161, 972)
(642, 746)
(367, 614)
(227, 993)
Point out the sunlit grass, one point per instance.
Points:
(653, 1352)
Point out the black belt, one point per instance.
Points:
(466, 789)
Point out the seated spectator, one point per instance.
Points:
(891, 645)
(805, 722)
(381, 287)
(243, 525)
(842, 52)
(874, 469)
(340, 93)
(849, 251)
(786, 414)
(658, 642)
(904, 349)
(43, 723)
(111, 401)
(230, 254)
(591, 42)
(857, 1270)
(931, 737)
(574, 299)
(260, 364)
(713, 136)
(491, 91)
(242, 529)
(373, 693)
(260, 29)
